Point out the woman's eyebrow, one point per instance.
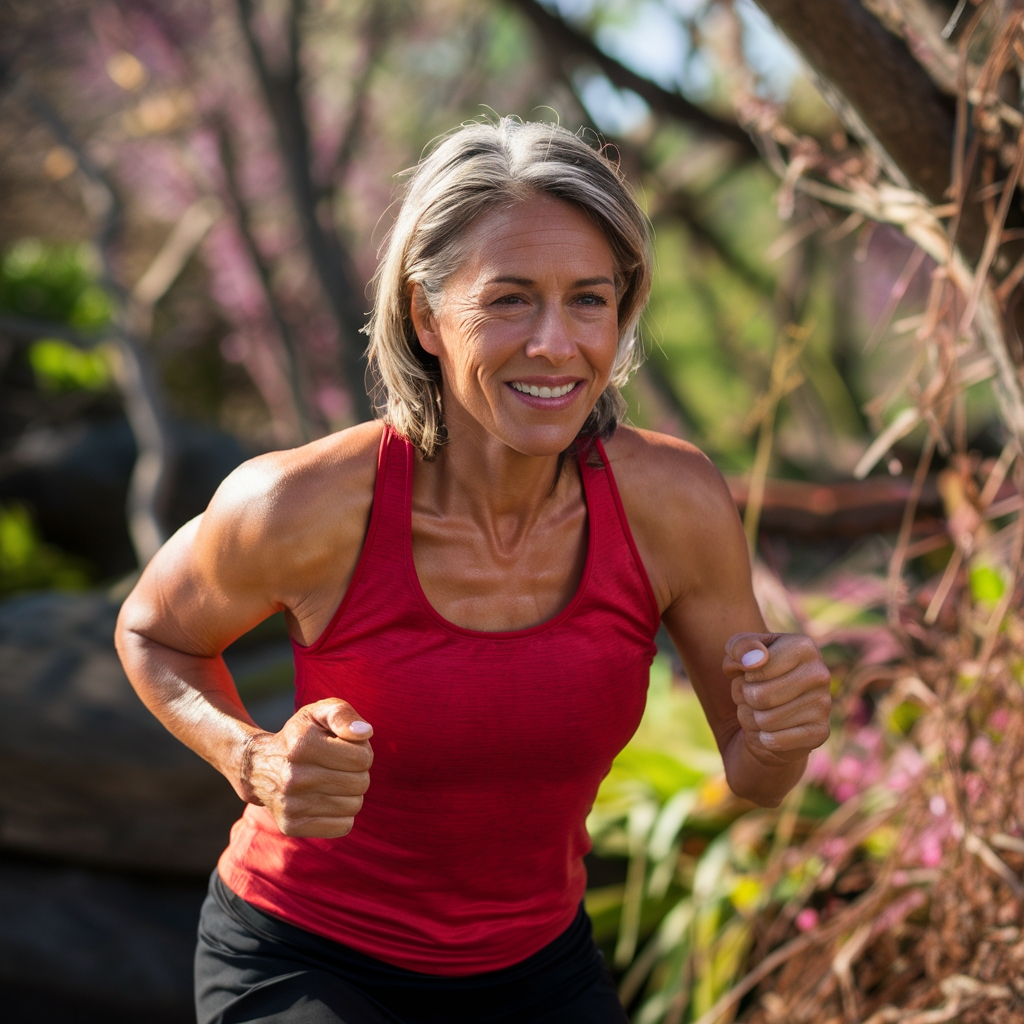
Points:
(583, 282)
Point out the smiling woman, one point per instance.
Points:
(481, 575)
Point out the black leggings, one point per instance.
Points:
(254, 967)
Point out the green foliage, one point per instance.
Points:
(27, 563)
(987, 584)
(904, 715)
(59, 366)
(53, 282)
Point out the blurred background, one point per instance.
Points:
(194, 194)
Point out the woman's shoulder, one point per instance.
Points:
(678, 506)
(651, 467)
(305, 499)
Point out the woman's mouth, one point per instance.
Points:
(538, 391)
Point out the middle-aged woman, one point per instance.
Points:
(474, 580)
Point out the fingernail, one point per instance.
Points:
(752, 658)
(767, 739)
(361, 728)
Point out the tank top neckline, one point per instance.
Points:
(498, 634)
(386, 463)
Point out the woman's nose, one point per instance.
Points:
(552, 339)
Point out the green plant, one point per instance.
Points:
(28, 563)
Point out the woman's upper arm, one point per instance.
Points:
(216, 577)
(690, 538)
(282, 533)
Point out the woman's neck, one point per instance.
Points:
(477, 475)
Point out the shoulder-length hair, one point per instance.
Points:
(478, 167)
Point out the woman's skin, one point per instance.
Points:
(496, 547)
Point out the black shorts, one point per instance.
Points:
(251, 966)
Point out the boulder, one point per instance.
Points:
(87, 774)
(75, 479)
(84, 946)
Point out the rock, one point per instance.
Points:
(87, 774)
(82, 946)
(75, 479)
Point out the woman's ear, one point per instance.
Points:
(423, 320)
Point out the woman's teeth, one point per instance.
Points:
(538, 392)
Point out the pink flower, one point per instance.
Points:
(931, 851)
(807, 919)
(999, 719)
(980, 750)
(904, 766)
(974, 787)
(834, 848)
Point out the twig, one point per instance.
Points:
(782, 381)
(906, 526)
(169, 262)
(899, 289)
(976, 845)
(1000, 610)
(993, 238)
(289, 345)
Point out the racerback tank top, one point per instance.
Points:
(488, 751)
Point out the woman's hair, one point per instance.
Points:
(478, 167)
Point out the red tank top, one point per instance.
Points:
(488, 751)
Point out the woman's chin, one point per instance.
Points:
(537, 442)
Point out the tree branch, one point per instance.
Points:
(149, 486)
(29, 328)
(288, 344)
(332, 262)
(572, 46)
(891, 96)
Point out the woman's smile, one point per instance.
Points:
(546, 392)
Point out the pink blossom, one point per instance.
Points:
(819, 764)
(904, 766)
(974, 787)
(999, 719)
(931, 851)
(834, 848)
(980, 750)
(807, 919)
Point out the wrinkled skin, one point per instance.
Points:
(498, 542)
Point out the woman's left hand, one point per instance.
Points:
(780, 687)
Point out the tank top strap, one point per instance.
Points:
(389, 519)
(617, 557)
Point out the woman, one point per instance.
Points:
(475, 582)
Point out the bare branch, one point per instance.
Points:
(288, 344)
(569, 45)
(29, 329)
(149, 487)
(893, 99)
(332, 261)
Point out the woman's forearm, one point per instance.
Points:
(754, 780)
(196, 700)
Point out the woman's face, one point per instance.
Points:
(527, 331)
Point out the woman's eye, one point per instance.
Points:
(508, 300)
(592, 299)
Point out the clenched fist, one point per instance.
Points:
(312, 774)
(780, 687)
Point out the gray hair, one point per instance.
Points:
(476, 168)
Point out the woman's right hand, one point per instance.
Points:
(312, 774)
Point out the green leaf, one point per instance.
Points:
(987, 584)
(62, 367)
